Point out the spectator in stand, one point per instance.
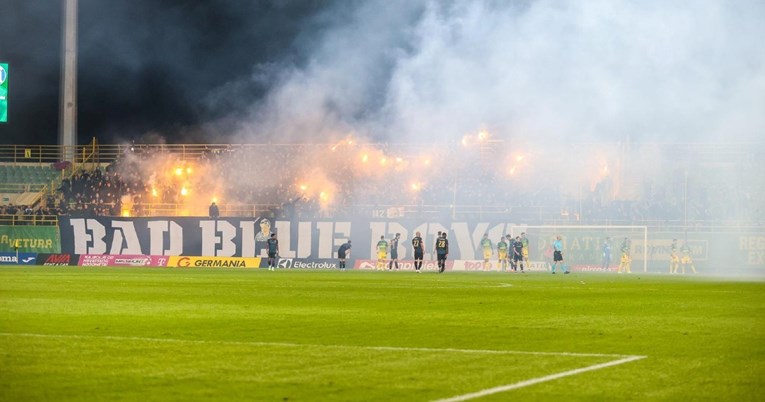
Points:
(214, 212)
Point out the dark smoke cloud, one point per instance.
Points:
(145, 65)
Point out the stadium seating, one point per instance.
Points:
(26, 174)
(21, 184)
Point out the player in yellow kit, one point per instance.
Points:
(686, 259)
(626, 261)
(488, 250)
(674, 259)
(382, 253)
(502, 254)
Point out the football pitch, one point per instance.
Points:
(153, 334)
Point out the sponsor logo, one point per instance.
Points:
(21, 259)
(91, 260)
(110, 260)
(538, 266)
(299, 264)
(57, 259)
(477, 266)
(133, 262)
(588, 268)
(3, 75)
(214, 262)
(365, 264)
(403, 265)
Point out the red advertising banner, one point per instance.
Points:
(110, 260)
(403, 265)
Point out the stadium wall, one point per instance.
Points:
(314, 243)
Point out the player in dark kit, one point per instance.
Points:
(343, 252)
(442, 250)
(394, 252)
(419, 251)
(273, 251)
(517, 253)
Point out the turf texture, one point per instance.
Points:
(84, 334)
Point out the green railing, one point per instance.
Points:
(28, 220)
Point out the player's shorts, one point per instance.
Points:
(341, 255)
(557, 256)
(502, 255)
(518, 257)
(441, 256)
(418, 255)
(382, 255)
(486, 253)
(626, 259)
(686, 259)
(525, 253)
(394, 255)
(674, 259)
(271, 255)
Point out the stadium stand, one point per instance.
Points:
(315, 181)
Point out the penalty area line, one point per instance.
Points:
(309, 345)
(526, 383)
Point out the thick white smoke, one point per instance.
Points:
(573, 71)
(581, 90)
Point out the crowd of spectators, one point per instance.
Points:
(25, 214)
(269, 177)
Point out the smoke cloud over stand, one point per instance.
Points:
(573, 96)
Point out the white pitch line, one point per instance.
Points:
(288, 344)
(503, 388)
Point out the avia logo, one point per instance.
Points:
(3, 74)
(28, 259)
(284, 263)
(58, 259)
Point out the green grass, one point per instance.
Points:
(205, 334)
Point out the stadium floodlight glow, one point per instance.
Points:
(178, 171)
(364, 158)
(3, 92)
(215, 199)
(184, 191)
